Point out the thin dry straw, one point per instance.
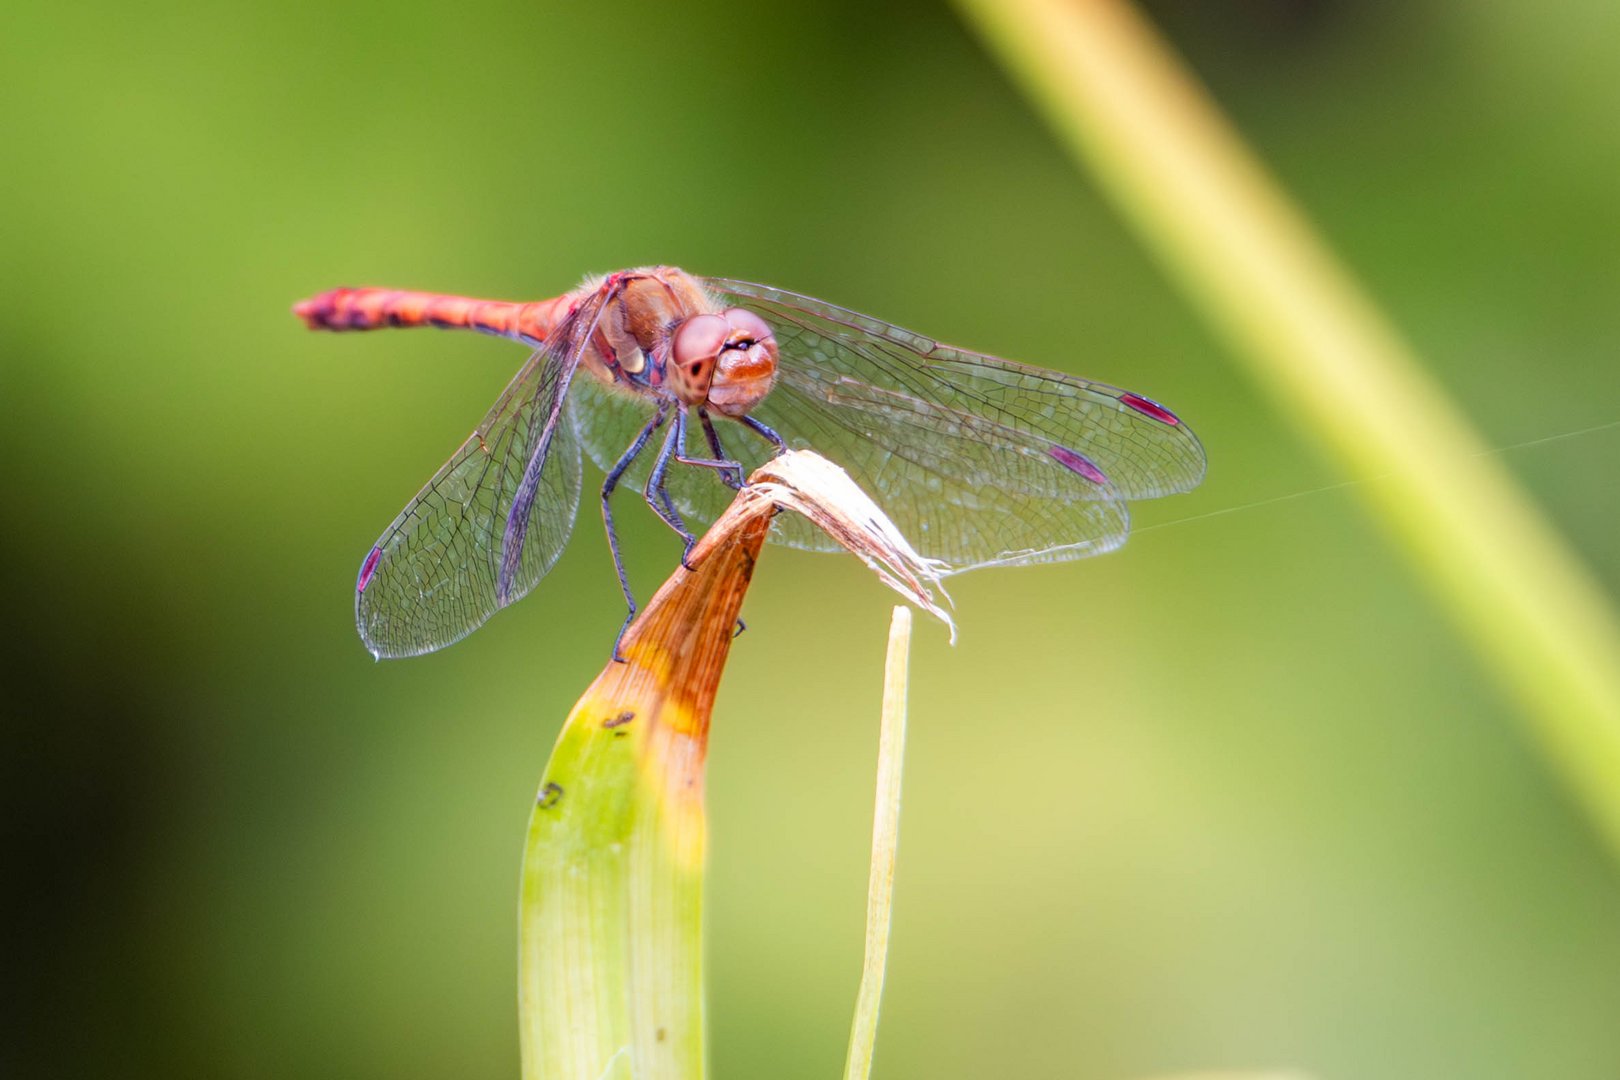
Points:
(1125, 105)
(885, 842)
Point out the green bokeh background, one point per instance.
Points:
(1234, 796)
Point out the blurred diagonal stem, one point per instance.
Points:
(1128, 109)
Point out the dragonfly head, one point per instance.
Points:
(725, 361)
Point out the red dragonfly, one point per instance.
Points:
(979, 461)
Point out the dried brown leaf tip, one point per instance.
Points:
(807, 483)
(676, 649)
(659, 698)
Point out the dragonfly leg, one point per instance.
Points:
(612, 481)
(658, 494)
(774, 439)
(730, 471)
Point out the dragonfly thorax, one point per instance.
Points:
(657, 330)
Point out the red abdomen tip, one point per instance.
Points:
(319, 311)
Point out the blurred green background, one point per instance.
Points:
(1234, 796)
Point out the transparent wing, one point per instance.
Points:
(980, 461)
(963, 489)
(486, 528)
(609, 421)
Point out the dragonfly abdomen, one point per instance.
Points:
(376, 309)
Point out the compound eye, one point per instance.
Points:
(699, 339)
(746, 324)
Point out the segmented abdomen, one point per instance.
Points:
(374, 309)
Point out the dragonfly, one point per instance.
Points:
(979, 461)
